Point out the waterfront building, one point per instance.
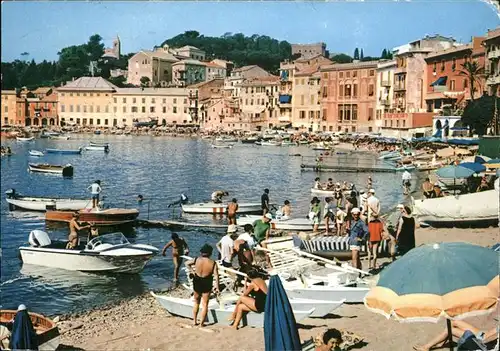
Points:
(87, 101)
(192, 52)
(258, 103)
(447, 88)
(232, 84)
(187, 72)
(492, 61)
(348, 96)
(214, 71)
(228, 65)
(410, 81)
(38, 107)
(385, 91)
(8, 109)
(309, 50)
(155, 65)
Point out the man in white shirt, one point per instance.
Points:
(226, 246)
(373, 205)
(363, 198)
(406, 177)
(95, 189)
(217, 196)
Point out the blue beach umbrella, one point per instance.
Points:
(280, 330)
(449, 280)
(454, 172)
(476, 167)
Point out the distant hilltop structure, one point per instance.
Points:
(309, 50)
(115, 51)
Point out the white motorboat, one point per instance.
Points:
(25, 139)
(322, 192)
(351, 294)
(226, 140)
(36, 153)
(322, 146)
(109, 253)
(270, 143)
(91, 147)
(474, 209)
(222, 146)
(36, 203)
(218, 314)
(210, 207)
(288, 143)
(297, 224)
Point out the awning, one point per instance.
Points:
(440, 81)
(253, 109)
(285, 99)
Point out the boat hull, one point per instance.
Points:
(65, 152)
(66, 171)
(36, 153)
(471, 209)
(25, 139)
(329, 293)
(97, 148)
(212, 208)
(289, 224)
(44, 204)
(112, 216)
(216, 315)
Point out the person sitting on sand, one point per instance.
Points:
(252, 300)
(179, 247)
(204, 271)
(332, 339)
(458, 329)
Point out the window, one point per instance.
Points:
(107, 109)
(70, 108)
(164, 109)
(91, 108)
(302, 81)
(133, 109)
(63, 108)
(355, 90)
(372, 73)
(77, 120)
(453, 64)
(452, 85)
(134, 100)
(325, 91)
(115, 122)
(77, 94)
(84, 108)
(84, 94)
(341, 74)
(246, 101)
(124, 100)
(143, 109)
(124, 109)
(341, 90)
(151, 109)
(70, 94)
(143, 100)
(311, 114)
(98, 109)
(175, 109)
(84, 121)
(175, 100)
(347, 90)
(91, 94)
(302, 99)
(442, 65)
(98, 94)
(354, 74)
(98, 121)
(153, 100)
(302, 114)
(164, 101)
(324, 114)
(434, 67)
(185, 109)
(114, 99)
(370, 113)
(397, 123)
(404, 123)
(91, 121)
(105, 122)
(354, 112)
(348, 74)
(114, 109)
(325, 75)
(370, 90)
(312, 100)
(185, 101)
(62, 94)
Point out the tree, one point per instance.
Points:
(341, 58)
(356, 54)
(145, 81)
(119, 81)
(384, 54)
(479, 113)
(361, 55)
(473, 71)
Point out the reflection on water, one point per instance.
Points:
(160, 169)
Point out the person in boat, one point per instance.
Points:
(8, 151)
(95, 189)
(232, 208)
(204, 271)
(329, 214)
(23, 335)
(462, 331)
(93, 232)
(264, 202)
(179, 247)
(340, 217)
(437, 192)
(286, 210)
(427, 188)
(182, 200)
(345, 186)
(483, 186)
(218, 195)
(405, 235)
(74, 227)
(317, 184)
(332, 339)
(226, 246)
(252, 300)
(330, 185)
(358, 234)
(262, 228)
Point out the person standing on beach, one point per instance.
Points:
(358, 234)
(376, 229)
(328, 214)
(204, 271)
(314, 212)
(373, 205)
(340, 217)
(232, 208)
(95, 189)
(226, 246)
(179, 247)
(405, 235)
(264, 201)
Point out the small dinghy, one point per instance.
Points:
(37, 203)
(222, 146)
(97, 143)
(36, 153)
(59, 137)
(226, 140)
(295, 224)
(109, 253)
(213, 208)
(64, 151)
(65, 171)
(270, 143)
(104, 148)
(217, 314)
(110, 216)
(25, 138)
(47, 333)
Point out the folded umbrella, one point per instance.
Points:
(454, 172)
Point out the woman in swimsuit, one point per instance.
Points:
(252, 300)
(179, 247)
(203, 275)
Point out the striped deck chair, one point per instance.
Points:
(337, 243)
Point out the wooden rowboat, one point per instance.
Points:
(111, 216)
(46, 330)
(63, 151)
(66, 170)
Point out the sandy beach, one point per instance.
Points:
(141, 324)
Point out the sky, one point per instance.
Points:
(43, 28)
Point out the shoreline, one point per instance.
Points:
(140, 322)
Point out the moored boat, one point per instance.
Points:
(217, 314)
(110, 216)
(37, 203)
(65, 151)
(47, 332)
(104, 148)
(66, 170)
(226, 140)
(36, 153)
(270, 143)
(213, 208)
(109, 253)
(299, 224)
(249, 140)
(97, 143)
(59, 137)
(222, 146)
(25, 138)
(288, 143)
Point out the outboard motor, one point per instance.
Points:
(39, 238)
(184, 199)
(11, 194)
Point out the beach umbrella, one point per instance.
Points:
(454, 172)
(280, 330)
(493, 163)
(481, 159)
(476, 167)
(434, 281)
